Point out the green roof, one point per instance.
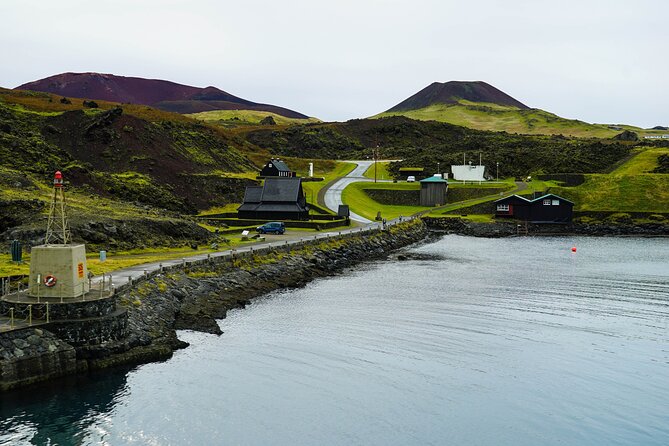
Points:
(433, 180)
(412, 169)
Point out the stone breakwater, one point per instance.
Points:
(462, 226)
(192, 297)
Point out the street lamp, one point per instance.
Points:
(497, 163)
(438, 170)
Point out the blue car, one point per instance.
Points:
(275, 227)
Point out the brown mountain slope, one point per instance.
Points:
(161, 94)
(454, 91)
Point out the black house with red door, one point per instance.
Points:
(548, 208)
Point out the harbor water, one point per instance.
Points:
(470, 341)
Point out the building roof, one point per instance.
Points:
(253, 194)
(552, 195)
(433, 180)
(280, 165)
(534, 199)
(281, 189)
(411, 169)
(513, 196)
(280, 207)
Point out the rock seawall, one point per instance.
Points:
(509, 228)
(31, 355)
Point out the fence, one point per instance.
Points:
(24, 316)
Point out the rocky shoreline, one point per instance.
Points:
(193, 297)
(454, 225)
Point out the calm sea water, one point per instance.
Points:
(486, 342)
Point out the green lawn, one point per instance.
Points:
(115, 260)
(360, 203)
(312, 188)
(381, 171)
(619, 193)
(644, 162)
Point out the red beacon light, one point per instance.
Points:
(58, 179)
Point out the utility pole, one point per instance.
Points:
(376, 157)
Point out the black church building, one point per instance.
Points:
(548, 208)
(276, 199)
(276, 168)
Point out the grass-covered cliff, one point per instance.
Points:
(122, 162)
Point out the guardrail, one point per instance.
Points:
(27, 316)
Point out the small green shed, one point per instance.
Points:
(433, 191)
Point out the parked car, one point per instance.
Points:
(275, 227)
(411, 179)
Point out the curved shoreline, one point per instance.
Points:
(193, 297)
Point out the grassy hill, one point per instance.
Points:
(132, 169)
(493, 117)
(629, 188)
(233, 118)
(426, 143)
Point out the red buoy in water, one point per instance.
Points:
(573, 249)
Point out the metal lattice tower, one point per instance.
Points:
(57, 228)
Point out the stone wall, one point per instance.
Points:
(31, 355)
(508, 228)
(70, 309)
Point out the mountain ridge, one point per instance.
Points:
(162, 94)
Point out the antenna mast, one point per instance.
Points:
(57, 228)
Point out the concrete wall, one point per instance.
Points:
(468, 172)
(67, 263)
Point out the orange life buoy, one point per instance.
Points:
(50, 280)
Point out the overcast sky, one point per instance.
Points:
(598, 61)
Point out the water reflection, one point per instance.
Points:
(59, 413)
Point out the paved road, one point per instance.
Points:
(332, 201)
(121, 276)
(334, 192)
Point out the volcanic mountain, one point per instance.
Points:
(161, 94)
(455, 91)
(481, 106)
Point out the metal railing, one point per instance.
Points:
(27, 316)
(89, 290)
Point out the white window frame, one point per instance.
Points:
(502, 208)
(547, 201)
(555, 202)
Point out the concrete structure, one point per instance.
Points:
(58, 271)
(468, 172)
(433, 191)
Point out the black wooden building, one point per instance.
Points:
(548, 208)
(276, 199)
(276, 168)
